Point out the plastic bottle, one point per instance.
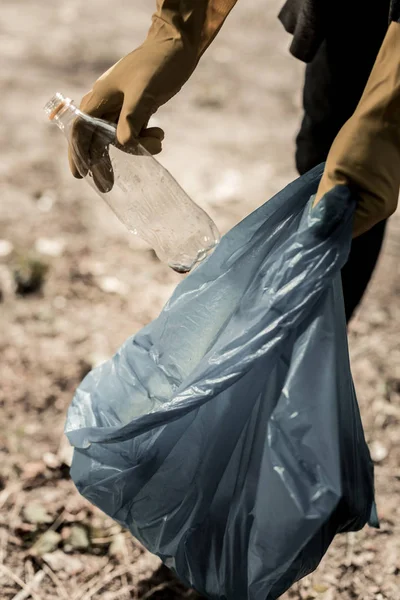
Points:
(144, 195)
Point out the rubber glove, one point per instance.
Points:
(365, 155)
(135, 87)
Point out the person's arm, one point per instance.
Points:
(365, 155)
(136, 86)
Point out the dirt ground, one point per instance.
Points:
(229, 141)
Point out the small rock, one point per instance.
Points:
(59, 561)
(51, 460)
(45, 203)
(112, 285)
(378, 451)
(78, 538)
(36, 513)
(320, 588)
(48, 542)
(377, 316)
(117, 547)
(50, 247)
(6, 248)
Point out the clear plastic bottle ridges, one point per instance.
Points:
(144, 195)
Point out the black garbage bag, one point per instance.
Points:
(226, 434)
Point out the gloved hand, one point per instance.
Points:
(135, 87)
(365, 155)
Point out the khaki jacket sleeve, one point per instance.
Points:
(133, 89)
(365, 155)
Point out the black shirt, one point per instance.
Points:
(308, 20)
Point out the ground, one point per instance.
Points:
(229, 142)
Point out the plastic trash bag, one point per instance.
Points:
(226, 434)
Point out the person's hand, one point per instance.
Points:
(365, 156)
(88, 147)
(131, 91)
(128, 94)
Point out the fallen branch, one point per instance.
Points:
(27, 590)
(119, 593)
(62, 592)
(104, 581)
(155, 589)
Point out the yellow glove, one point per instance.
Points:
(365, 155)
(135, 87)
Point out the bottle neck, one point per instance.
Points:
(62, 111)
(65, 117)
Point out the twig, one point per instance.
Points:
(155, 589)
(7, 492)
(16, 509)
(62, 592)
(124, 581)
(15, 541)
(118, 594)
(115, 529)
(106, 568)
(3, 544)
(103, 540)
(104, 581)
(29, 571)
(57, 522)
(26, 589)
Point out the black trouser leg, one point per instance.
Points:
(334, 83)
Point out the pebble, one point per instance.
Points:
(45, 203)
(378, 451)
(118, 546)
(48, 542)
(51, 460)
(6, 248)
(37, 514)
(50, 247)
(112, 285)
(78, 539)
(59, 561)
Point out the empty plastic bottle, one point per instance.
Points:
(143, 194)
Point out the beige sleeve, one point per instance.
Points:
(366, 152)
(195, 22)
